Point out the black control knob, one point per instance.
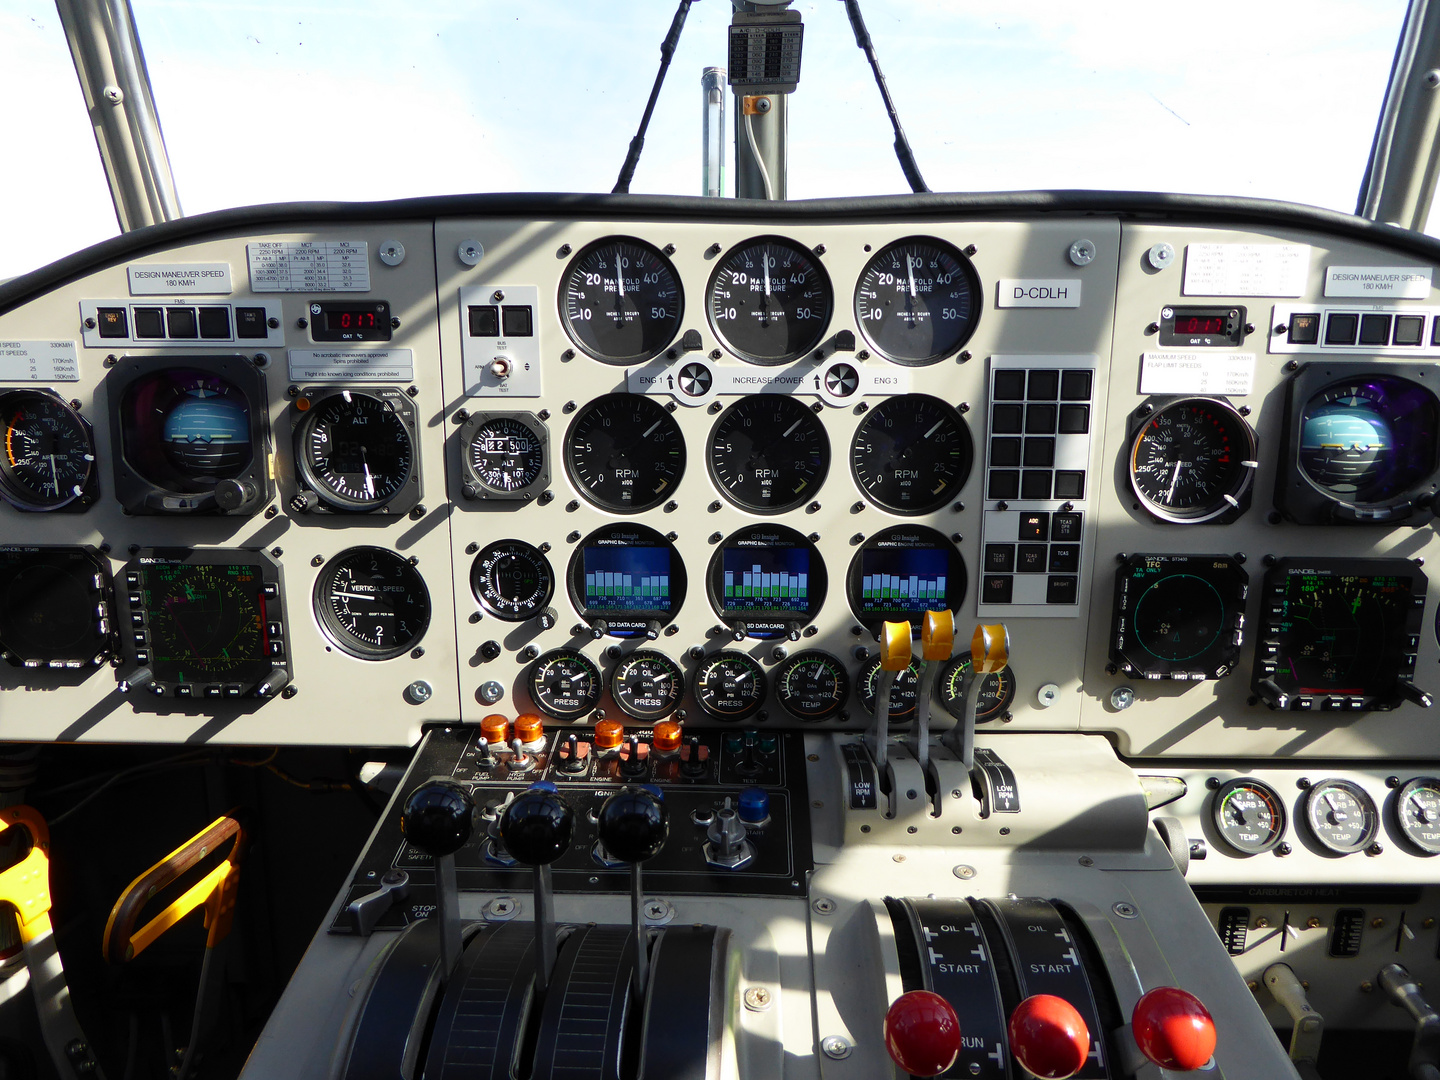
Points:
(231, 495)
(633, 824)
(536, 826)
(138, 681)
(303, 502)
(489, 650)
(436, 817)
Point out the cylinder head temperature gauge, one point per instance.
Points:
(904, 694)
(1417, 813)
(996, 691)
(1248, 815)
(1340, 815)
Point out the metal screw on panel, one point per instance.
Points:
(1283, 848)
(657, 910)
(114, 95)
(471, 548)
(757, 999)
(89, 324)
(823, 905)
(1432, 79)
(971, 249)
(1121, 698)
(1374, 849)
(1161, 255)
(1312, 923)
(1124, 910)
(418, 692)
(1261, 922)
(502, 907)
(671, 506)
(470, 252)
(1427, 924)
(530, 652)
(964, 356)
(1048, 695)
(417, 652)
(836, 1046)
(963, 872)
(1367, 987)
(490, 692)
(1082, 252)
(1086, 860)
(566, 357)
(289, 691)
(392, 253)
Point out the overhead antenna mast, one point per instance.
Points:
(637, 144)
(902, 145)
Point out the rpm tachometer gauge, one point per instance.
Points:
(1248, 815)
(621, 301)
(917, 300)
(770, 300)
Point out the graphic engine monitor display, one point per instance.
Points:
(627, 578)
(207, 622)
(767, 579)
(909, 578)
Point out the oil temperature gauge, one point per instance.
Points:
(565, 684)
(812, 685)
(647, 685)
(1248, 815)
(1417, 813)
(996, 690)
(730, 686)
(904, 694)
(1341, 816)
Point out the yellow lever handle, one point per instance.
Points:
(895, 646)
(937, 635)
(990, 648)
(26, 885)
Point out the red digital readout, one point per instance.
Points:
(1199, 324)
(350, 320)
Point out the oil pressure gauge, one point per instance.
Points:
(1340, 815)
(1248, 815)
(1417, 813)
(647, 685)
(564, 683)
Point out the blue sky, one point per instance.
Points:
(265, 101)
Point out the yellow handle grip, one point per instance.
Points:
(990, 648)
(895, 646)
(26, 885)
(937, 635)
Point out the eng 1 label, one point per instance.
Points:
(1037, 292)
(39, 361)
(1405, 282)
(342, 365)
(1231, 374)
(166, 279)
(1246, 269)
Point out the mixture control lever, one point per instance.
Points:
(633, 826)
(436, 819)
(1399, 986)
(922, 1033)
(536, 827)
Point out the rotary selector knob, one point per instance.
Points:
(1173, 1029)
(922, 1033)
(436, 817)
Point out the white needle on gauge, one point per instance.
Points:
(792, 427)
(361, 596)
(54, 479)
(933, 429)
(910, 269)
(1423, 814)
(369, 480)
(765, 262)
(1174, 479)
(651, 428)
(619, 274)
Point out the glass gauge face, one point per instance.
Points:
(917, 300)
(1248, 815)
(1369, 440)
(1178, 616)
(994, 694)
(49, 455)
(902, 571)
(769, 453)
(505, 454)
(185, 430)
(512, 580)
(1341, 816)
(206, 622)
(372, 603)
(354, 451)
(1417, 813)
(770, 300)
(1193, 461)
(625, 452)
(621, 300)
(564, 684)
(647, 685)
(730, 686)
(904, 693)
(812, 685)
(53, 608)
(911, 454)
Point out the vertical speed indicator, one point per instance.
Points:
(621, 300)
(917, 300)
(770, 300)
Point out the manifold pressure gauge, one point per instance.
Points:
(565, 684)
(504, 456)
(48, 458)
(355, 452)
(1248, 815)
(621, 300)
(1194, 462)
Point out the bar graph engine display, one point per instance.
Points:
(627, 579)
(767, 581)
(902, 571)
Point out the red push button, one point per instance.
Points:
(922, 1033)
(1173, 1029)
(1049, 1037)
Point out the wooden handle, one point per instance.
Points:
(216, 891)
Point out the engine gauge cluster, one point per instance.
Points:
(901, 571)
(626, 580)
(767, 581)
(355, 451)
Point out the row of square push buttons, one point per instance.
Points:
(1031, 555)
(182, 323)
(1350, 328)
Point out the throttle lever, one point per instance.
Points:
(937, 641)
(894, 658)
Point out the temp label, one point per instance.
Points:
(39, 361)
(1037, 292)
(1405, 282)
(1246, 269)
(166, 279)
(342, 365)
(1209, 372)
(309, 266)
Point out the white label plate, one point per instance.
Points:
(343, 365)
(39, 361)
(1037, 292)
(167, 279)
(1246, 269)
(1406, 282)
(316, 266)
(1208, 372)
